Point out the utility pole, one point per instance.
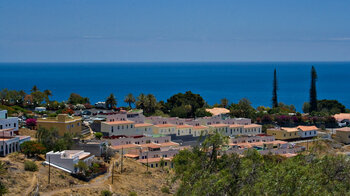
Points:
(112, 171)
(147, 161)
(49, 167)
(121, 164)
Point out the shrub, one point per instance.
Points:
(31, 122)
(30, 166)
(165, 189)
(98, 135)
(132, 193)
(106, 193)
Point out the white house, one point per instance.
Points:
(307, 131)
(67, 159)
(120, 127)
(8, 122)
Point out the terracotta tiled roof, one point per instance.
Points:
(200, 127)
(219, 125)
(120, 122)
(165, 125)
(236, 125)
(344, 129)
(217, 111)
(342, 116)
(252, 126)
(150, 145)
(168, 144)
(183, 126)
(143, 125)
(153, 160)
(307, 128)
(125, 146)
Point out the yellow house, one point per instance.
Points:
(164, 129)
(284, 133)
(343, 135)
(144, 128)
(63, 123)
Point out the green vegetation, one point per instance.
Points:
(165, 189)
(132, 193)
(75, 98)
(274, 91)
(325, 107)
(111, 101)
(224, 103)
(242, 109)
(203, 172)
(129, 99)
(30, 166)
(106, 193)
(50, 139)
(32, 148)
(313, 94)
(98, 135)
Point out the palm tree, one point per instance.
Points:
(140, 103)
(111, 101)
(224, 102)
(129, 99)
(47, 94)
(34, 89)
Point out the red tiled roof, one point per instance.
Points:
(122, 122)
(183, 126)
(165, 125)
(307, 128)
(125, 146)
(143, 125)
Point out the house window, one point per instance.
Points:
(14, 124)
(112, 129)
(166, 163)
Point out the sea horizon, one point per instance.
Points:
(212, 80)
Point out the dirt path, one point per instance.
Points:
(32, 185)
(93, 184)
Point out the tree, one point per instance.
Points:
(274, 92)
(34, 89)
(81, 166)
(129, 99)
(47, 93)
(140, 103)
(98, 135)
(150, 105)
(32, 148)
(111, 102)
(224, 102)
(75, 98)
(313, 94)
(243, 109)
(185, 100)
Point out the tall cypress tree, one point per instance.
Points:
(313, 94)
(274, 92)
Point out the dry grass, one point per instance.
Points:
(29, 132)
(133, 179)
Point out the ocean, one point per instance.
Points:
(213, 81)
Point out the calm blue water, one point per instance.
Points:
(211, 80)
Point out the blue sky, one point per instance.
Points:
(174, 30)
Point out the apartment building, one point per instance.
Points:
(7, 122)
(63, 123)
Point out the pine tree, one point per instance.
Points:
(313, 94)
(274, 92)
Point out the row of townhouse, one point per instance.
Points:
(287, 133)
(264, 144)
(127, 127)
(147, 150)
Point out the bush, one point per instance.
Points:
(106, 193)
(30, 166)
(132, 193)
(165, 189)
